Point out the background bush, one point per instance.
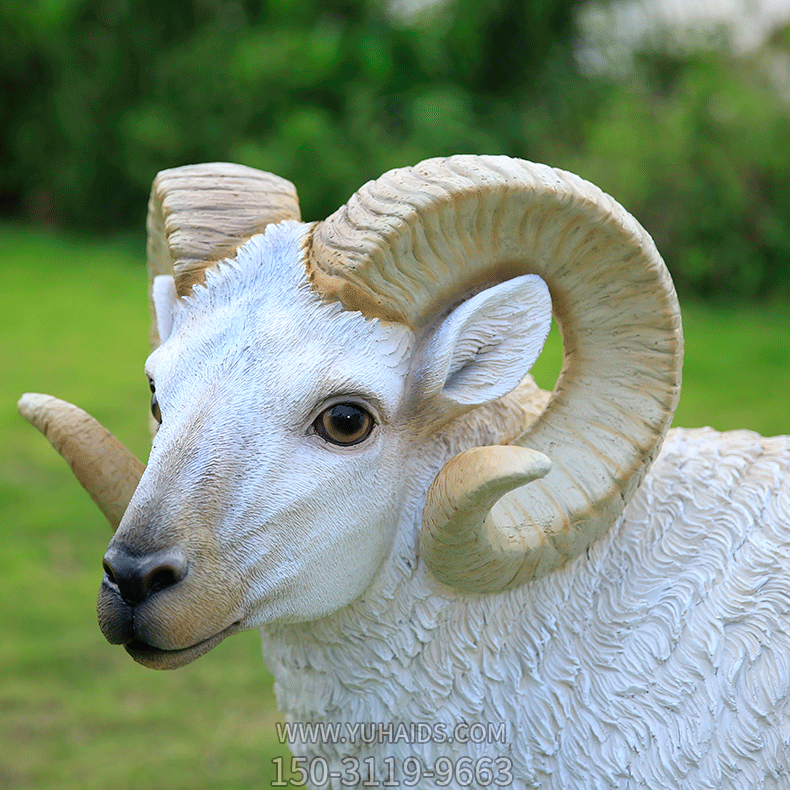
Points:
(96, 96)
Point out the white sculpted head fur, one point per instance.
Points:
(252, 359)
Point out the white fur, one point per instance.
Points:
(660, 658)
(251, 361)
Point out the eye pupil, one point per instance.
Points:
(344, 424)
(346, 420)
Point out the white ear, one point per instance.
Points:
(164, 297)
(486, 346)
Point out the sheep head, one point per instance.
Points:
(298, 381)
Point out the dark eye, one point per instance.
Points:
(344, 424)
(155, 404)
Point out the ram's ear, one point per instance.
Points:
(486, 346)
(163, 298)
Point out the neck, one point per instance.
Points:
(358, 664)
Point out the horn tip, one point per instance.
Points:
(30, 405)
(532, 464)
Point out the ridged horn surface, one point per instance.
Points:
(412, 244)
(105, 467)
(200, 214)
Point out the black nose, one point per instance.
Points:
(138, 577)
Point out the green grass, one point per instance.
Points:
(76, 712)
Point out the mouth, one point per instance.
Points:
(157, 658)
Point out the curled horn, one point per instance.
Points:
(197, 216)
(414, 243)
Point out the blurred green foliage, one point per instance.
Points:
(698, 148)
(96, 96)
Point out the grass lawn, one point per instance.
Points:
(76, 712)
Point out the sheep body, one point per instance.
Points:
(661, 658)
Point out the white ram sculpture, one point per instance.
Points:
(348, 460)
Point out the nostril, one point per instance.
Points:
(160, 580)
(139, 577)
(163, 576)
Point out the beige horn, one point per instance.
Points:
(197, 216)
(105, 467)
(414, 243)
